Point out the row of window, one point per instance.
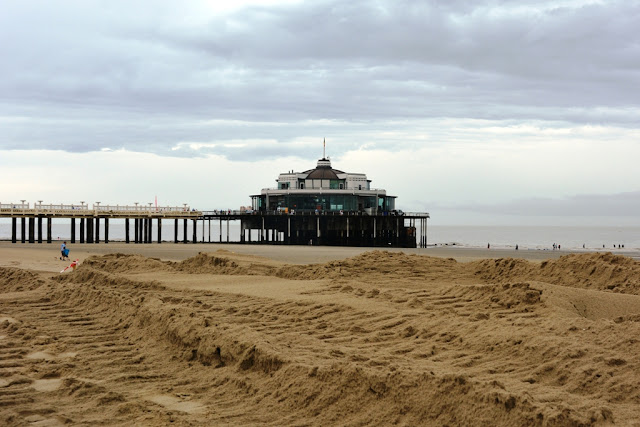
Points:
(333, 184)
(325, 202)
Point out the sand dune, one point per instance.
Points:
(375, 339)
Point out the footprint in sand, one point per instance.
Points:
(40, 355)
(50, 384)
(48, 356)
(174, 404)
(40, 421)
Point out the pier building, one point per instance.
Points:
(324, 189)
(327, 206)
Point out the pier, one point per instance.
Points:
(141, 217)
(345, 228)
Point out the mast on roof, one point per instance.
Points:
(324, 146)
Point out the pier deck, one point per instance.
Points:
(351, 228)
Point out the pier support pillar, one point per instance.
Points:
(23, 235)
(39, 229)
(184, 230)
(14, 237)
(175, 231)
(220, 229)
(32, 226)
(97, 230)
(135, 230)
(141, 230)
(195, 225)
(227, 230)
(127, 238)
(49, 230)
(73, 229)
(159, 230)
(106, 230)
(89, 230)
(81, 230)
(426, 242)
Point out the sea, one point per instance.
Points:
(472, 236)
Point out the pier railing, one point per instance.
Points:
(71, 210)
(284, 212)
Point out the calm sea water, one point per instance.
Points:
(526, 237)
(537, 237)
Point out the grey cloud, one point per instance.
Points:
(100, 75)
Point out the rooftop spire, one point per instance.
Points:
(324, 147)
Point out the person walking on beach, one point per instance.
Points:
(63, 248)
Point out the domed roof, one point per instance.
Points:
(323, 170)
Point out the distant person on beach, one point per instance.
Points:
(516, 247)
(63, 249)
(488, 246)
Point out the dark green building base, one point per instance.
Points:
(330, 230)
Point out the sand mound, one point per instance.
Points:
(203, 263)
(371, 265)
(15, 279)
(602, 271)
(209, 263)
(506, 295)
(120, 263)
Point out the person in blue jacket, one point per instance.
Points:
(64, 251)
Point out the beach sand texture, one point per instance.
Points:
(369, 338)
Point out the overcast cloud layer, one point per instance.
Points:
(460, 94)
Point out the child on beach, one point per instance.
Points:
(64, 252)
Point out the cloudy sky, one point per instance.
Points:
(496, 112)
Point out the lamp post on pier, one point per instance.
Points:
(96, 206)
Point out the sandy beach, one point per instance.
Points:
(202, 334)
